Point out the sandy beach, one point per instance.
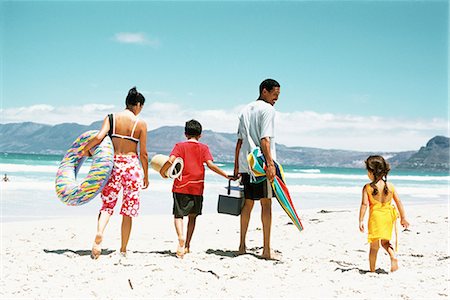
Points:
(51, 259)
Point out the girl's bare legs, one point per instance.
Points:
(126, 230)
(179, 229)
(388, 247)
(103, 219)
(190, 231)
(374, 246)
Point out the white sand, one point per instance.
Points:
(51, 259)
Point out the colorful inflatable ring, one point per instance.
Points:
(75, 193)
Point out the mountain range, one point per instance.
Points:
(37, 138)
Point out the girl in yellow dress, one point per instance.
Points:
(378, 195)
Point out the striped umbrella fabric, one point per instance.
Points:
(257, 164)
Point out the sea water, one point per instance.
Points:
(30, 191)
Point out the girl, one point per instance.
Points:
(378, 195)
(126, 132)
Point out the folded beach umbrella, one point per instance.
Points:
(257, 164)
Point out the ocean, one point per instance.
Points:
(30, 193)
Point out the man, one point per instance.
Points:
(256, 128)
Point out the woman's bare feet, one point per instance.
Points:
(96, 248)
(394, 264)
(180, 249)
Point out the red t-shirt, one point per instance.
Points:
(194, 154)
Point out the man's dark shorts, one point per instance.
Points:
(186, 204)
(255, 191)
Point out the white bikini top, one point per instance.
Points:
(128, 137)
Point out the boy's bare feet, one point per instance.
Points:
(394, 265)
(96, 248)
(180, 249)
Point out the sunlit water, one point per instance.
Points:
(30, 193)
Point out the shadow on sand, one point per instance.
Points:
(78, 252)
(161, 252)
(361, 271)
(229, 253)
(225, 253)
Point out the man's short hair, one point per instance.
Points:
(268, 84)
(193, 128)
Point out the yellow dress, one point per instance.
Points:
(382, 216)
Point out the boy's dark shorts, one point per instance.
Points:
(186, 204)
(255, 191)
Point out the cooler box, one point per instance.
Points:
(231, 201)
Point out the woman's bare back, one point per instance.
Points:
(124, 123)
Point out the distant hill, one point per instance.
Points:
(163, 139)
(31, 137)
(434, 156)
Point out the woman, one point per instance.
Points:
(127, 131)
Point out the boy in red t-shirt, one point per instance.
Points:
(188, 188)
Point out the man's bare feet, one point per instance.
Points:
(242, 250)
(394, 265)
(187, 250)
(96, 248)
(272, 255)
(180, 249)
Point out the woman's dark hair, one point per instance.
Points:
(379, 168)
(268, 84)
(193, 128)
(134, 97)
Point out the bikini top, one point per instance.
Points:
(112, 130)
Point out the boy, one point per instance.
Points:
(188, 188)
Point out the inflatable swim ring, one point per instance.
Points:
(75, 193)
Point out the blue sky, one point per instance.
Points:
(366, 75)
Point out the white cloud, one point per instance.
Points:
(47, 114)
(298, 128)
(138, 38)
(36, 108)
(372, 133)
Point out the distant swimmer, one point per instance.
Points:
(5, 179)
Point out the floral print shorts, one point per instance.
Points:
(126, 175)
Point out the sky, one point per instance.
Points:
(356, 75)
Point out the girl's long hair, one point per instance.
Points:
(378, 166)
